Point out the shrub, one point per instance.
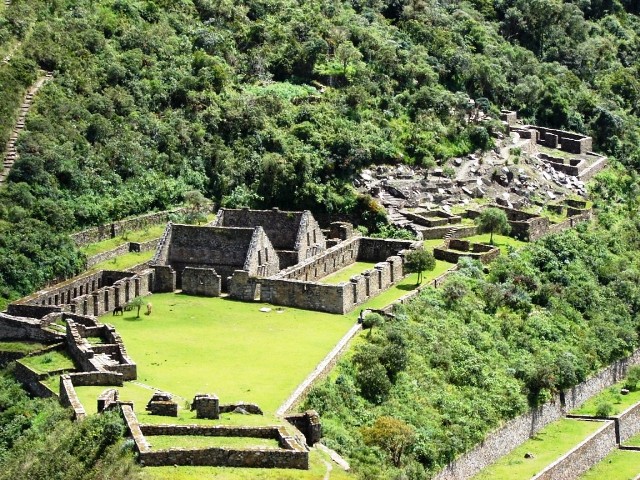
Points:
(633, 377)
(604, 409)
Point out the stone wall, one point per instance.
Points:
(69, 398)
(569, 141)
(30, 380)
(289, 231)
(201, 281)
(225, 249)
(628, 423)
(113, 294)
(581, 458)
(455, 249)
(66, 292)
(322, 369)
(290, 454)
(335, 258)
(24, 328)
(111, 230)
(516, 431)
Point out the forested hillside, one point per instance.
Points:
(278, 103)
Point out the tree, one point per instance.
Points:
(493, 220)
(390, 434)
(137, 303)
(419, 261)
(196, 204)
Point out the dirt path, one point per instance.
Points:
(11, 154)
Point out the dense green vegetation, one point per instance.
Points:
(279, 103)
(40, 442)
(461, 359)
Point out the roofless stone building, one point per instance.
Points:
(275, 256)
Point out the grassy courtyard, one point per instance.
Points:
(501, 241)
(197, 344)
(546, 446)
(344, 274)
(49, 362)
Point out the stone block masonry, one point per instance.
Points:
(293, 286)
(112, 230)
(291, 454)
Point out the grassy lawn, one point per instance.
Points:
(123, 262)
(612, 395)
(49, 362)
(317, 470)
(402, 288)
(163, 442)
(550, 443)
(140, 236)
(618, 465)
(20, 347)
(501, 241)
(346, 273)
(197, 344)
(429, 245)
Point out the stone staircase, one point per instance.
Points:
(11, 153)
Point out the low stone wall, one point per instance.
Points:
(290, 454)
(581, 458)
(516, 431)
(227, 457)
(322, 369)
(30, 380)
(111, 230)
(330, 261)
(23, 328)
(272, 432)
(92, 379)
(69, 398)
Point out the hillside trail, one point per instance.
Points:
(10, 152)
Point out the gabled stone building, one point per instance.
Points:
(200, 259)
(296, 236)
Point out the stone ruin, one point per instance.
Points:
(276, 257)
(309, 425)
(161, 403)
(454, 249)
(206, 406)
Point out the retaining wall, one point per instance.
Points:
(516, 431)
(24, 328)
(581, 458)
(111, 230)
(628, 423)
(69, 398)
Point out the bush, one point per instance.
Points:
(604, 409)
(633, 377)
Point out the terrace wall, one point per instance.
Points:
(24, 328)
(628, 423)
(518, 430)
(581, 458)
(69, 398)
(111, 230)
